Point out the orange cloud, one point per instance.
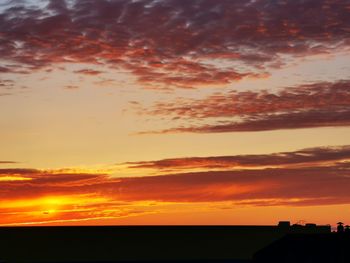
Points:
(317, 176)
(330, 182)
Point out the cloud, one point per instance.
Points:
(8, 162)
(8, 171)
(322, 183)
(328, 183)
(320, 95)
(304, 157)
(315, 176)
(268, 122)
(322, 177)
(89, 72)
(6, 83)
(71, 87)
(173, 43)
(324, 104)
(4, 70)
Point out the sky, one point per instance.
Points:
(167, 112)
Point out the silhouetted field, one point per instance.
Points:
(137, 243)
(301, 248)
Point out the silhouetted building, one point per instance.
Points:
(340, 227)
(284, 224)
(347, 229)
(310, 225)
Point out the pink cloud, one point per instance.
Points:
(167, 42)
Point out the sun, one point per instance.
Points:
(51, 205)
(50, 212)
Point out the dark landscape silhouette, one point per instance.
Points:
(281, 243)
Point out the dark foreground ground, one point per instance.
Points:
(301, 248)
(138, 243)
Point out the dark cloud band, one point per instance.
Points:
(324, 104)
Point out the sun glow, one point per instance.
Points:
(14, 178)
(51, 204)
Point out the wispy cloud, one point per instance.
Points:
(71, 87)
(320, 95)
(305, 157)
(324, 104)
(308, 119)
(90, 72)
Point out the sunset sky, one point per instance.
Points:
(174, 112)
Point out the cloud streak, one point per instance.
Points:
(327, 182)
(309, 119)
(7, 162)
(314, 96)
(304, 157)
(89, 72)
(324, 104)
